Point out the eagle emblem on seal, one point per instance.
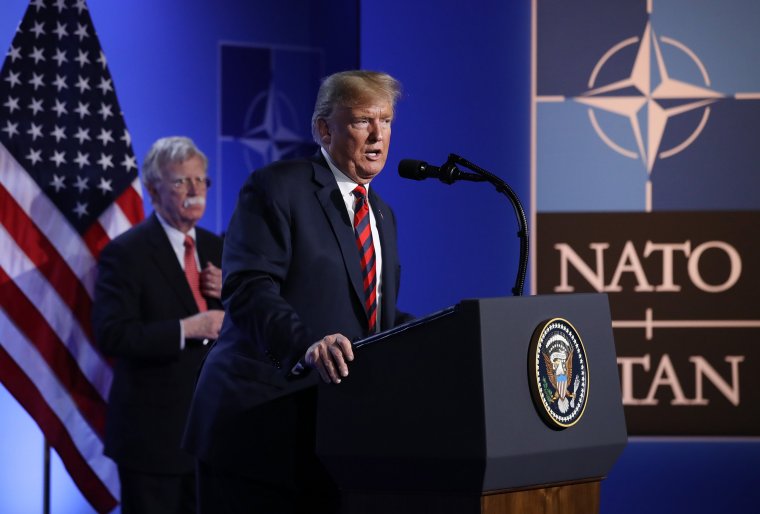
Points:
(559, 370)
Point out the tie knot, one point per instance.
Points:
(360, 192)
(189, 242)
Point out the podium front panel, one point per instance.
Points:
(522, 449)
(409, 417)
(445, 405)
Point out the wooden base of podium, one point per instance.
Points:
(575, 498)
(581, 498)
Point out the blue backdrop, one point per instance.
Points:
(466, 73)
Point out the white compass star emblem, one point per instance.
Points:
(638, 91)
(270, 116)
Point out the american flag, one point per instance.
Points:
(68, 185)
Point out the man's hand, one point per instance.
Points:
(329, 356)
(211, 281)
(204, 325)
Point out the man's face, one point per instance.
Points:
(357, 138)
(180, 195)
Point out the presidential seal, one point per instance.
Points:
(558, 373)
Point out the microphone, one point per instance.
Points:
(448, 173)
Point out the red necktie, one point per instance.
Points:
(363, 233)
(191, 272)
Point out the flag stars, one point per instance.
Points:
(38, 29)
(83, 84)
(105, 186)
(81, 31)
(58, 183)
(80, 6)
(11, 104)
(81, 184)
(70, 139)
(58, 158)
(82, 135)
(129, 162)
(105, 136)
(127, 138)
(36, 106)
(60, 108)
(36, 81)
(81, 209)
(60, 83)
(105, 161)
(13, 79)
(60, 57)
(60, 30)
(82, 159)
(105, 111)
(82, 110)
(82, 58)
(37, 55)
(14, 53)
(35, 131)
(34, 156)
(58, 133)
(10, 128)
(105, 85)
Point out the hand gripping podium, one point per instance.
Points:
(438, 416)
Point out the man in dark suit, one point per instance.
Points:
(157, 306)
(308, 267)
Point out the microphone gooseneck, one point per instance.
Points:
(450, 173)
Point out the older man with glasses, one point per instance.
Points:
(157, 306)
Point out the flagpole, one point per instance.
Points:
(46, 479)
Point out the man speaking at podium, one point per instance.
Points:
(310, 263)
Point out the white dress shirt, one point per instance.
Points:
(347, 186)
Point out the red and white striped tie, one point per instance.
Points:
(363, 233)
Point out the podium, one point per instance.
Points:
(437, 415)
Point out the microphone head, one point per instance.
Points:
(412, 169)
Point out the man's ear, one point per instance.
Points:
(152, 192)
(324, 131)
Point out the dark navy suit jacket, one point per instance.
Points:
(141, 294)
(291, 276)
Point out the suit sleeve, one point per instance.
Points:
(119, 309)
(256, 259)
(399, 316)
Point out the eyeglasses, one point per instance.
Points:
(181, 184)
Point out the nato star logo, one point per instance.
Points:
(270, 120)
(649, 99)
(641, 94)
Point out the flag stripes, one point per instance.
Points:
(83, 457)
(68, 185)
(46, 259)
(55, 352)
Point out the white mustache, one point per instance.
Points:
(194, 200)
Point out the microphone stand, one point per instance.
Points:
(501, 187)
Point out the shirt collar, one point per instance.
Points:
(345, 184)
(176, 237)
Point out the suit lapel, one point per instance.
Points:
(388, 249)
(166, 261)
(335, 210)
